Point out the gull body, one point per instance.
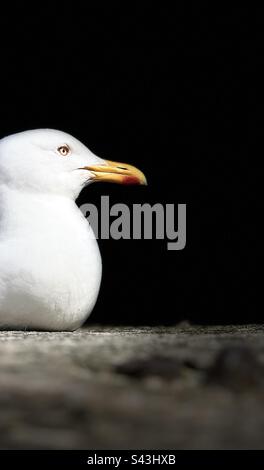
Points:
(50, 264)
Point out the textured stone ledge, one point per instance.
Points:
(133, 387)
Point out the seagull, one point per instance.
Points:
(50, 264)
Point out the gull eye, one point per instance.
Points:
(64, 150)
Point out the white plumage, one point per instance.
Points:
(50, 264)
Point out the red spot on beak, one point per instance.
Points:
(130, 180)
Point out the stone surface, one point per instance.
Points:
(182, 387)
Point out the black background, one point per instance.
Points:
(173, 92)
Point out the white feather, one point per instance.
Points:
(50, 265)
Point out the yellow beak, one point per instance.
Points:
(114, 172)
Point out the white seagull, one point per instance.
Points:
(50, 264)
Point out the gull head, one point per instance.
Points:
(51, 161)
